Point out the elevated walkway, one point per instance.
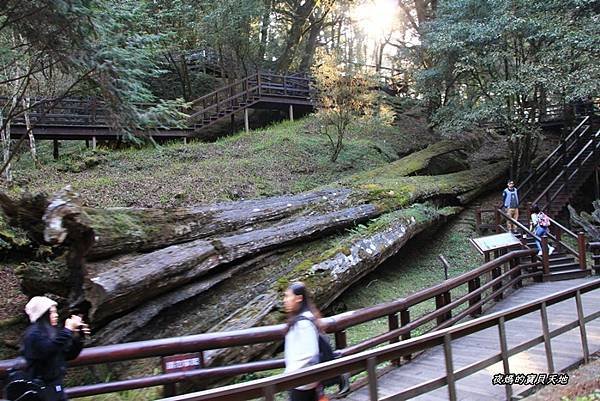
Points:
(566, 348)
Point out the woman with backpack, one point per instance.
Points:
(539, 224)
(302, 338)
(46, 347)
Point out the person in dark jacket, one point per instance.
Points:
(46, 347)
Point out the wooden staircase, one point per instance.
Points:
(563, 263)
(260, 89)
(551, 186)
(558, 178)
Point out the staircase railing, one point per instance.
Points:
(531, 182)
(589, 152)
(246, 91)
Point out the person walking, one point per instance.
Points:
(46, 347)
(510, 201)
(301, 347)
(539, 224)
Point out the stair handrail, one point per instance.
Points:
(543, 165)
(221, 89)
(563, 173)
(548, 234)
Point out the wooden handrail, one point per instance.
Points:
(562, 174)
(543, 165)
(359, 362)
(335, 324)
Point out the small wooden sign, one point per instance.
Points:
(182, 362)
(495, 242)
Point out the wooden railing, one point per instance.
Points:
(247, 91)
(473, 291)
(595, 250)
(367, 361)
(555, 236)
(533, 180)
(70, 111)
(588, 153)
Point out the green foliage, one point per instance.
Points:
(343, 97)
(506, 61)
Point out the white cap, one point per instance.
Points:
(37, 306)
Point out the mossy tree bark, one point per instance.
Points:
(190, 251)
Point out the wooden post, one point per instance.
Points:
(497, 220)
(246, 123)
(87, 143)
(404, 320)
(581, 248)
(55, 149)
(478, 220)
(185, 140)
(449, 367)
(291, 112)
(393, 325)
(372, 378)
(474, 284)
(547, 343)
(545, 256)
(340, 339)
(94, 143)
(582, 331)
(496, 272)
(504, 354)
(442, 300)
(558, 235)
(232, 122)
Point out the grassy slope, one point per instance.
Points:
(284, 158)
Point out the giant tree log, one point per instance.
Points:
(118, 285)
(127, 230)
(590, 223)
(123, 283)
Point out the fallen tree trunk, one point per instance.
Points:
(127, 230)
(253, 289)
(118, 285)
(123, 283)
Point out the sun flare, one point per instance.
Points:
(376, 18)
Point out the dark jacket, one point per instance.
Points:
(47, 349)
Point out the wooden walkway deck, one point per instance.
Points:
(566, 349)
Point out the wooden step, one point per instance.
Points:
(566, 275)
(564, 266)
(561, 260)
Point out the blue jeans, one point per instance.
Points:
(540, 232)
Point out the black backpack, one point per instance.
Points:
(326, 354)
(21, 387)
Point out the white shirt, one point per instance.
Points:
(301, 346)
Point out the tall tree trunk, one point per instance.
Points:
(26, 103)
(264, 30)
(5, 136)
(311, 44)
(294, 35)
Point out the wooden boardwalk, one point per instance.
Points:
(566, 349)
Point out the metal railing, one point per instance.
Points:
(367, 361)
(474, 291)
